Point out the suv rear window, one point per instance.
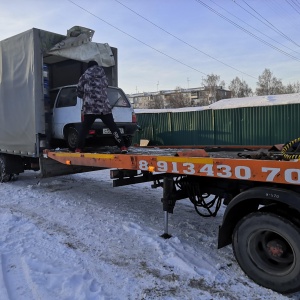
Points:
(117, 98)
(67, 97)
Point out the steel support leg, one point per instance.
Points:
(168, 203)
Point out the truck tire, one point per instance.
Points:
(4, 177)
(267, 249)
(72, 138)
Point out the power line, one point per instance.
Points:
(277, 8)
(295, 5)
(280, 8)
(181, 40)
(247, 31)
(253, 27)
(274, 28)
(136, 38)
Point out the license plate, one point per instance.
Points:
(107, 131)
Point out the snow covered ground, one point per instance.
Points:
(75, 237)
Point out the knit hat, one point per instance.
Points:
(92, 63)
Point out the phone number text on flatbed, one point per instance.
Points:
(257, 172)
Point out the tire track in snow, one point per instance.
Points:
(27, 276)
(3, 281)
(14, 274)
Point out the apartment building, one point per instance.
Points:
(200, 96)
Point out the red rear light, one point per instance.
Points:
(134, 120)
(92, 131)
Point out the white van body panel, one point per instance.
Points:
(67, 112)
(63, 116)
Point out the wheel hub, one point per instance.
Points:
(276, 248)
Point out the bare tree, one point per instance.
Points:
(239, 88)
(292, 88)
(178, 99)
(268, 84)
(156, 101)
(289, 89)
(212, 82)
(295, 87)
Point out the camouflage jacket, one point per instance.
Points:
(92, 88)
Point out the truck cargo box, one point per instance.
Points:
(31, 63)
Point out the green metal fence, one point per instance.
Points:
(262, 125)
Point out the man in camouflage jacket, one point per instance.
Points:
(92, 88)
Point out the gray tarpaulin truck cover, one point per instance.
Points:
(22, 115)
(78, 46)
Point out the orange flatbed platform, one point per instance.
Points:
(234, 162)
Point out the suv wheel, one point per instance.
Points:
(72, 138)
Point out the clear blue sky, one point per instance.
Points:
(168, 43)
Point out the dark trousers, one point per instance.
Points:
(108, 120)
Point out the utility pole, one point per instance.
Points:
(157, 85)
(188, 81)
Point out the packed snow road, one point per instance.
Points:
(75, 237)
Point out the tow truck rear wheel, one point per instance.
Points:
(4, 177)
(267, 248)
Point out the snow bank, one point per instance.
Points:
(233, 103)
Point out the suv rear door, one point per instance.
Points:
(67, 110)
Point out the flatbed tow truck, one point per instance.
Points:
(260, 186)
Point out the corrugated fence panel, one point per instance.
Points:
(263, 125)
(155, 127)
(227, 126)
(146, 124)
(285, 123)
(162, 129)
(255, 125)
(193, 128)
